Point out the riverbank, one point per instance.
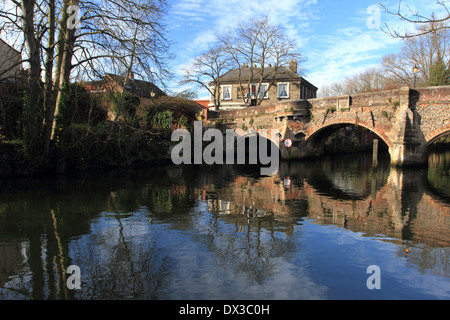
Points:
(97, 156)
(94, 152)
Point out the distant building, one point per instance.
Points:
(10, 62)
(279, 83)
(111, 83)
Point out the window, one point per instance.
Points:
(226, 92)
(283, 90)
(211, 95)
(253, 89)
(263, 89)
(243, 90)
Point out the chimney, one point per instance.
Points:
(131, 75)
(244, 65)
(293, 66)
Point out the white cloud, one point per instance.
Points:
(205, 19)
(334, 38)
(195, 23)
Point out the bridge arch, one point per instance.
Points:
(317, 136)
(435, 135)
(251, 141)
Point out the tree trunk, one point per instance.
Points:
(64, 66)
(33, 103)
(49, 100)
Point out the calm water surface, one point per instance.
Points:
(224, 232)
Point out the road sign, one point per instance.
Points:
(288, 143)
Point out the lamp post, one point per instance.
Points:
(415, 69)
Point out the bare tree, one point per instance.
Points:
(405, 13)
(424, 51)
(261, 48)
(256, 50)
(206, 71)
(371, 79)
(61, 36)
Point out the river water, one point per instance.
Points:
(311, 231)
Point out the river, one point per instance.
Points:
(311, 231)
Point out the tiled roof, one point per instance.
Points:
(138, 87)
(246, 74)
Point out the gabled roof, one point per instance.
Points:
(254, 74)
(10, 62)
(4, 43)
(138, 87)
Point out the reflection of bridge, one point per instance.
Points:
(406, 120)
(389, 202)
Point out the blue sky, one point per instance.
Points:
(338, 38)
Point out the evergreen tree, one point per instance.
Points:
(439, 74)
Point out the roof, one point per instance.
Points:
(10, 62)
(203, 103)
(138, 87)
(280, 73)
(3, 42)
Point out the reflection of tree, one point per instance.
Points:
(44, 220)
(434, 259)
(242, 243)
(121, 267)
(44, 251)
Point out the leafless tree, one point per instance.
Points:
(257, 46)
(405, 13)
(206, 71)
(371, 79)
(61, 36)
(423, 51)
(263, 48)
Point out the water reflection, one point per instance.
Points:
(225, 232)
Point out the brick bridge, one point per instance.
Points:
(407, 120)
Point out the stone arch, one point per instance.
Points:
(244, 136)
(433, 136)
(319, 134)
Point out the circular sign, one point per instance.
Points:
(287, 182)
(288, 143)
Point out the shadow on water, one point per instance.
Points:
(135, 233)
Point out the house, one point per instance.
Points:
(111, 83)
(10, 62)
(279, 83)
